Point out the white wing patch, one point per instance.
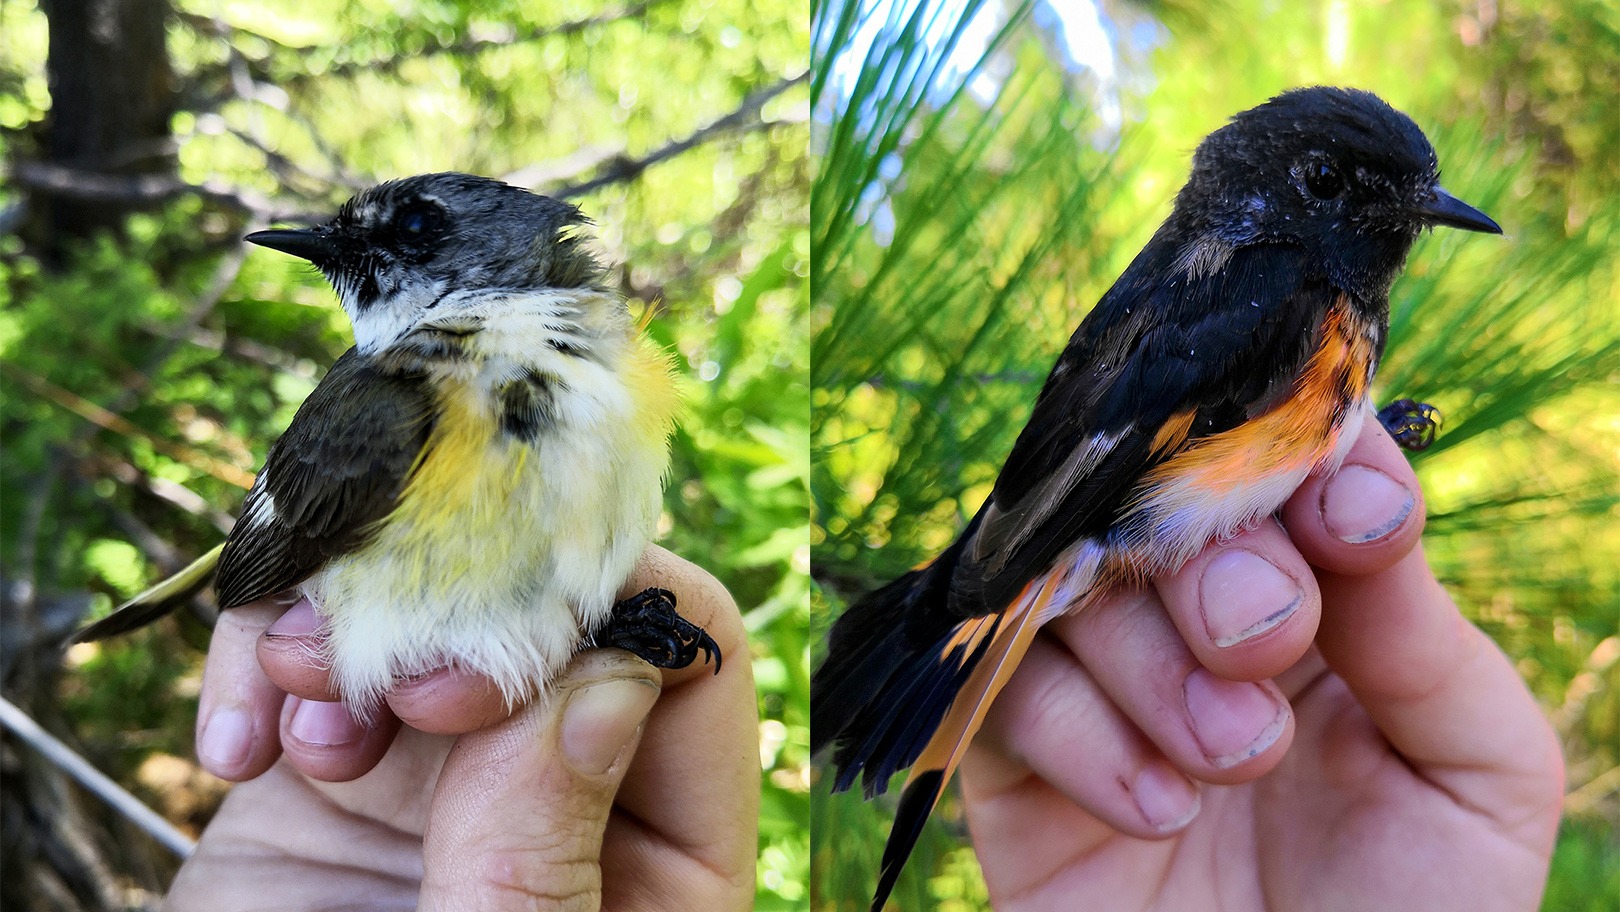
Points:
(263, 510)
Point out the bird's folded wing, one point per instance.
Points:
(1159, 362)
(336, 472)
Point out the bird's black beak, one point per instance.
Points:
(314, 244)
(1441, 208)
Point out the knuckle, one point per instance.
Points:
(551, 876)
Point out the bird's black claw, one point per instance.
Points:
(647, 625)
(1413, 424)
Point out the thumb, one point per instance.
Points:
(518, 815)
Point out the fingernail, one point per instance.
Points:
(299, 620)
(322, 724)
(600, 720)
(1361, 504)
(226, 739)
(1242, 595)
(1232, 720)
(1166, 799)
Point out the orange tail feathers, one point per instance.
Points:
(1010, 634)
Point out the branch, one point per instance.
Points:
(434, 46)
(59, 180)
(243, 348)
(224, 275)
(621, 168)
(105, 462)
(118, 424)
(286, 169)
(64, 758)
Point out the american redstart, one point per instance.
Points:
(1233, 358)
(474, 480)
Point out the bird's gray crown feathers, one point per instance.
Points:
(468, 232)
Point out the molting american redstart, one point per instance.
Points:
(474, 480)
(1233, 358)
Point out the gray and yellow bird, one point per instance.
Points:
(474, 480)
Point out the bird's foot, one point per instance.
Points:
(647, 625)
(1413, 424)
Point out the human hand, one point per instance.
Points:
(595, 795)
(1385, 756)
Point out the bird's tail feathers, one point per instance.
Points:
(155, 602)
(888, 677)
(991, 646)
(907, 682)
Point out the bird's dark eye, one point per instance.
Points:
(1322, 180)
(417, 222)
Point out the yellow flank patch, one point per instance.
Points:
(522, 460)
(465, 504)
(649, 377)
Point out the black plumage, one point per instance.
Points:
(529, 405)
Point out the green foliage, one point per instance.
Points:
(1586, 870)
(969, 207)
(202, 357)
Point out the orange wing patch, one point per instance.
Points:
(1173, 433)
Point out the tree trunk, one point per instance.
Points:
(111, 100)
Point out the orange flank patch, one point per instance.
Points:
(1298, 430)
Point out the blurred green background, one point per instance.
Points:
(148, 360)
(984, 170)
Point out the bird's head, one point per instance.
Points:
(1338, 171)
(409, 249)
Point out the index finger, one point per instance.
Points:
(1437, 687)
